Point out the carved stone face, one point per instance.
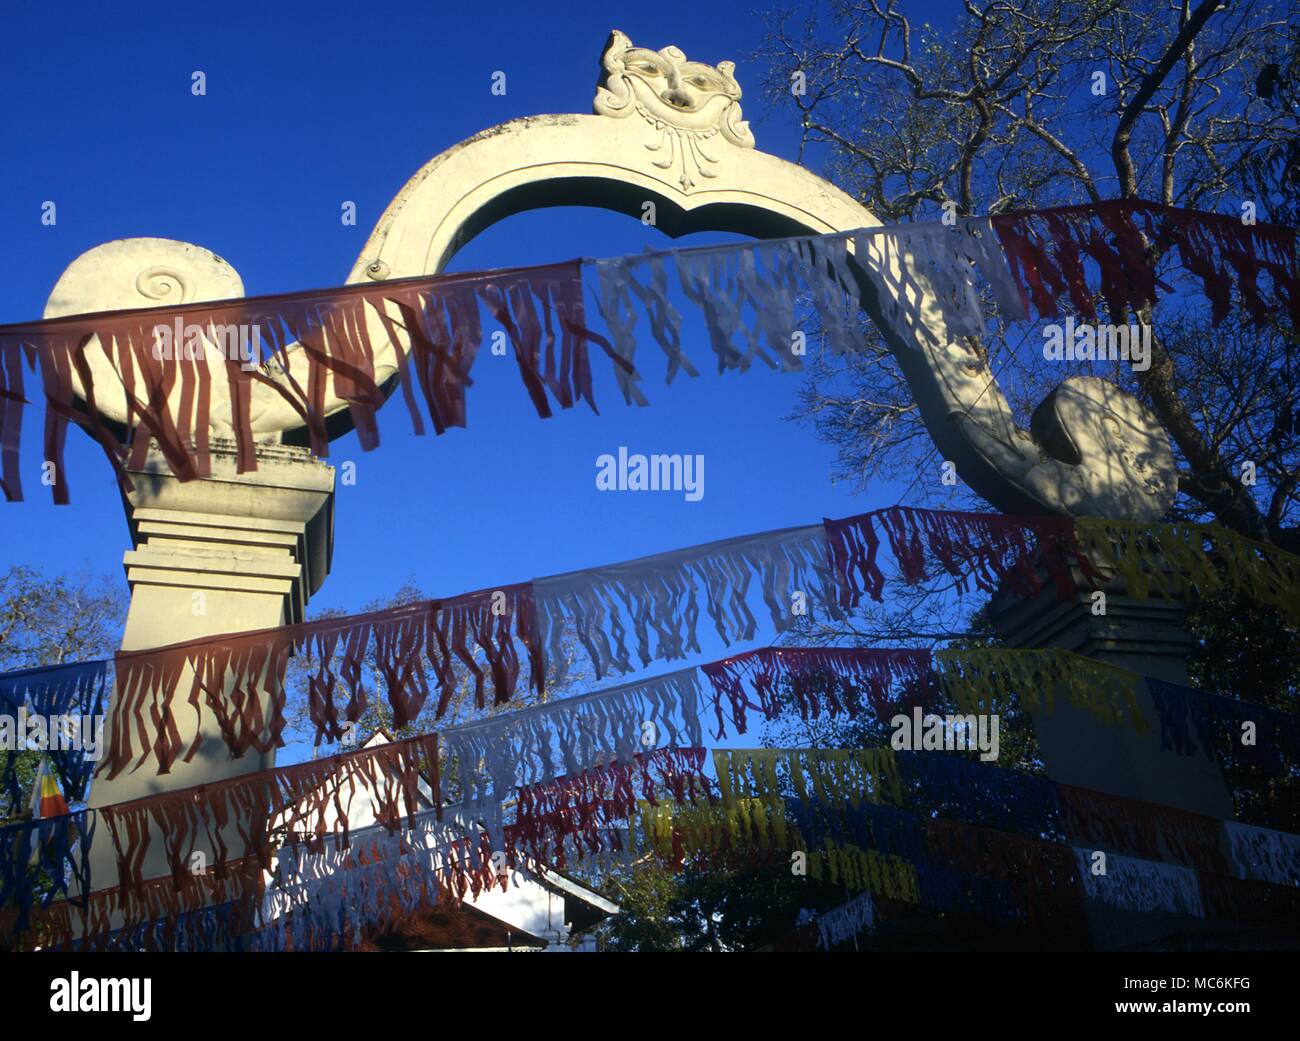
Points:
(670, 86)
(666, 87)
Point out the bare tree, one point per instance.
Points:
(50, 621)
(1050, 102)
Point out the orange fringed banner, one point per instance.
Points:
(432, 326)
(302, 803)
(240, 678)
(1047, 250)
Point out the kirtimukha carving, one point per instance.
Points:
(686, 103)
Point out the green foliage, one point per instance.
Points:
(1245, 650)
(708, 908)
(1251, 651)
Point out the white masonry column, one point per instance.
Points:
(232, 553)
(1148, 637)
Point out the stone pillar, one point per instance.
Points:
(1145, 636)
(233, 553)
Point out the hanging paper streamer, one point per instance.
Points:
(1145, 886)
(706, 831)
(240, 678)
(1112, 823)
(833, 680)
(214, 913)
(627, 615)
(948, 891)
(877, 826)
(489, 758)
(857, 869)
(985, 680)
(481, 622)
(755, 783)
(320, 895)
(986, 549)
(70, 701)
(846, 922)
(1043, 876)
(1047, 249)
(1193, 720)
(431, 324)
(654, 604)
(1175, 559)
(924, 276)
(981, 680)
(581, 813)
(43, 861)
(301, 803)
(749, 298)
(1186, 717)
(748, 293)
(1263, 854)
(323, 899)
(1269, 908)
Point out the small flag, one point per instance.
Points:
(47, 800)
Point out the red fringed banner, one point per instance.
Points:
(833, 680)
(304, 803)
(581, 811)
(1141, 829)
(988, 549)
(1046, 250)
(483, 620)
(431, 326)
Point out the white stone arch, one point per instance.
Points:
(669, 130)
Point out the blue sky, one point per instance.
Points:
(308, 106)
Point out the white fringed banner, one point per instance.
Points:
(1144, 886)
(488, 759)
(652, 606)
(1263, 854)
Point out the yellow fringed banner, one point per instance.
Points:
(985, 680)
(1175, 559)
(676, 832)
(887, 876)
(830, 776)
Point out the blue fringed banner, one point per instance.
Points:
(77, 693)
(974, 792)
(41, 862)
(1188, 716)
